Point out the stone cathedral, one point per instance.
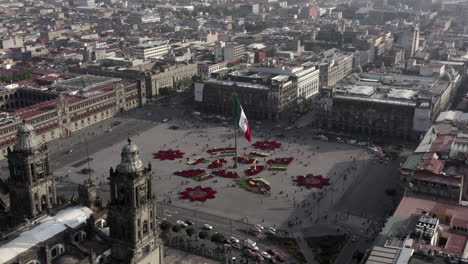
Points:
(36, 229)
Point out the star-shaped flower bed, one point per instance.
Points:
(279, 163)
(217, 164)
(310, 181)
(196, 174)
(245, 160)
(168, 154)
(254, 170)
(199, 193)
(267, 145)
(226, 174)
(222, 152)
(256, 185)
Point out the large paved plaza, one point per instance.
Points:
(346, 166)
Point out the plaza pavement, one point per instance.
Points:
(361, 194)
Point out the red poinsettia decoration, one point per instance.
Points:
(190, 173)
(267, 145)
(217, 164)
(245, 160)
(168, 154)
(284, 161)
(226, 174)
(199, 193)
(254, 170)
(310, 181)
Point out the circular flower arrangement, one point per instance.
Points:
(245, 160)
(190, 173)
(168, 154)
(254, 170)
(310, 181)
(199, 193)
(226, 174)
(267, 145)
(283, 161)
(217, 164)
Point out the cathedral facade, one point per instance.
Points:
(35, 229)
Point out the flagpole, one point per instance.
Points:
(235, 127)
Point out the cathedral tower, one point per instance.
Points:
(31, 184)
(132, 211)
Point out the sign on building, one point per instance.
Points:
(199, 92)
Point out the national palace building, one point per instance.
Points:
(58, 105)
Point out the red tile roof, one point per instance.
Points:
(433, 165)
(442, 143)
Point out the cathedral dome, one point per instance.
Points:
(130, 159)
(26, 138)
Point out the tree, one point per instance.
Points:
(203, 234)
(165, 226)
(176, 228)
(190, 231)
(217, 238)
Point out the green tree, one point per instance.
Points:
(203, 234)
(190, 231)
(165, 226)
(217, 238)
(176, 228)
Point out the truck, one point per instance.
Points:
(249, 243)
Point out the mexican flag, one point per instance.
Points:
(241, 119)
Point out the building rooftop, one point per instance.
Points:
(47, 228)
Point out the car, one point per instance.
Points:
(259, 257)
(164, 120)
(354, 238)
(255, 229)
(266, 255)
(249, 252)
(270, 232)
(259, 227)
(236, 245)
(188, 222)
(207, 227)
(280, 258)
(234, 240)
(182, 223)
(272, 252)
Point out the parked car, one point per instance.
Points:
(188, 222)
(234, 240)
(236, 245)
(182, 223)
(354, 238)
(280, 258)
(259, 227)
(265, 255)
(249, 252)
(272, 252)
(207, 227)
(259, 257)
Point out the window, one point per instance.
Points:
(80, 236)
(57, 250)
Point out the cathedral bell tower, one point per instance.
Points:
(132, 211)
(31, 184)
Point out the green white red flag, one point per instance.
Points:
(241, 119)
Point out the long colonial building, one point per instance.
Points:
(65, 107)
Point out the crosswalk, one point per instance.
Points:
(355, 222)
